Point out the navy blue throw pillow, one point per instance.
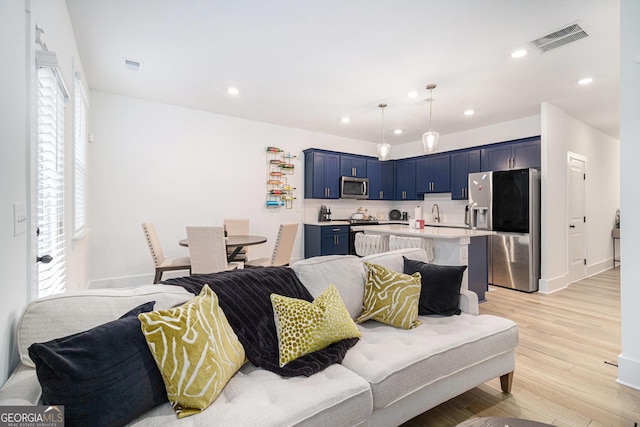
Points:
(440, 292)
(105, 376)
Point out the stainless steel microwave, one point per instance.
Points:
(354, 188)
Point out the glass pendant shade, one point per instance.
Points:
(430, 141)
(384, 149)
(384, 152)
(430, 138)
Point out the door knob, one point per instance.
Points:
(44, 259)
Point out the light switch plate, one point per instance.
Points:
(19, 218)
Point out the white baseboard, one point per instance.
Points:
(548, 286)
(628, 372)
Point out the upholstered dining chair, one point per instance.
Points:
(237, 227)
(282, 251)
(401, 242)
(207, 250)
(368, 244)
(160, 262)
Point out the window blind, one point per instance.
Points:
(51, 95)
(80, 157)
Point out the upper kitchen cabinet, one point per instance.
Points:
(352, 165)
(405, 182)
(321, 174)
(519, 154)
(462, 164)
(381, 179)
(432, 174)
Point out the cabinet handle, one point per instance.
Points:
(354, 171)
(335, 230)
(382, 194)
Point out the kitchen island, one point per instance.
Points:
(451, 246)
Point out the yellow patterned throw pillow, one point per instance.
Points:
(304, 327)
(195, 349)
(391, 297)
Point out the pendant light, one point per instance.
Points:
(384, 150)
(430, 138)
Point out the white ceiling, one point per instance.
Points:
(307, 63)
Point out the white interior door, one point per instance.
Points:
(577, 224)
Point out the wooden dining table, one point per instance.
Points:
(237, 242)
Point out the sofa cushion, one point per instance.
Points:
(397, 362)
(305, 327)
(71, 312)
(103, 376)
(347, 273)
(245, 297)
(257, 397)
(195, 349)
(391, 297)
(440, 293)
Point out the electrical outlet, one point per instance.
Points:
(19, 218)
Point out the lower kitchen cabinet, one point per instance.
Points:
(478, 269)
(325, 240)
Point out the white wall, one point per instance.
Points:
(17, 29)
(602, 188)
(14, 154)
(175, 167)
(561, 134)
(629, 359)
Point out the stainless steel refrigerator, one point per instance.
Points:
(508, 202)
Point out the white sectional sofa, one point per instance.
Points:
(390, 376)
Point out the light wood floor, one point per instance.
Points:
(565, 373)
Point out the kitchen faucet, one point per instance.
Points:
(436, 216)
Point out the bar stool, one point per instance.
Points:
(615, 235)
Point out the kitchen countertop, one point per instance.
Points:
(440, 232)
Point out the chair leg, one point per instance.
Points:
(158, 276)
(506, 381)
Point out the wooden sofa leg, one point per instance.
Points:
(505, 382)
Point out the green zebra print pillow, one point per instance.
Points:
(304, 327)
(391, 297)
(195, 349)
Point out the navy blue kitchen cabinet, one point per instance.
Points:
(478, 274)
(325, 240)
(405, 182)
(462, 164)
(321, 175)
(433, 174)
(381, 179)
(519, 154)
(352, 165)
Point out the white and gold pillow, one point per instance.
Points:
(195, 349)
(304, 327)
(391, 297)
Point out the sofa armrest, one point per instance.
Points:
(469, 302)
(22, 387)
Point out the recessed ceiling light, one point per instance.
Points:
(345, 120)
(397, 131)
(518, 53)
(233, 91)
(412, 94)
(585, 81)
(469, 112)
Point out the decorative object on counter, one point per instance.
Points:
(279, 167)
(384, 149)
(418, 212)
(405, 216)
(394, 215)
(430, 138)
(325, 214)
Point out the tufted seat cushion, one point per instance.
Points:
(257, 397)
(397, 362)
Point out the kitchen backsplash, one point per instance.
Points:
(451, 211)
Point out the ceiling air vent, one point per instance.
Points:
(132, 65)
(560, 37)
